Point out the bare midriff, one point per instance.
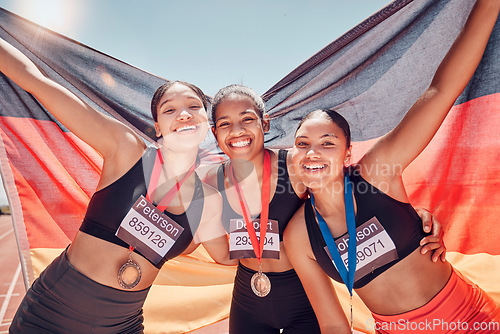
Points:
(406, 286)
(100, 261)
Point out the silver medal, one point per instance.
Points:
(261, 285)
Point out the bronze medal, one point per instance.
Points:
(261, 285)
(129, 274)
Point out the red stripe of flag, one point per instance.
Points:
(55, 173)
(457, 177)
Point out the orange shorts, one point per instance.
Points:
(460, 307)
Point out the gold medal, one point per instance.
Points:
(129, 274)
(261, 285)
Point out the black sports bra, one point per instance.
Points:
(387, 231)
(283, 205)
(109, 206)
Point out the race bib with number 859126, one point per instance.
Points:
(149, 230)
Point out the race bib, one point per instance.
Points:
(374, 249)
(240, 245)
(149, 230)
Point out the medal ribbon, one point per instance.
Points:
(153, 183)
(155, 177)
(346, 274)
(258, 247)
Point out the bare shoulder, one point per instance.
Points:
(296, 240)
(296, 227)
(212, 195)
(130, 148)
(213, 200)
(210, 177)
(210, 227)
(120, 160)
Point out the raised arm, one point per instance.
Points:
(404, 143)
(103, 133)
(317, 284)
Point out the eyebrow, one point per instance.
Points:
(248, 111)
(323, 136)
(169, 100)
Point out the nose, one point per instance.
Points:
(312, 153)
(184, 115)
(236, 129)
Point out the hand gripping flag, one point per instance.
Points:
(371, 75)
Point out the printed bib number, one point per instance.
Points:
(240, 245)
(374, 249)
(149, 230)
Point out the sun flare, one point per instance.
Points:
(57, 15)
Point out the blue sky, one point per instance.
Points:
(211, 43)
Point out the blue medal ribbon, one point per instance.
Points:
(347, 274)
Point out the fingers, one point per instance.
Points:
(439, 253)
(430, 223)
(437, 228)
(427, 245)
(434, 244)
(438, 236)
(430, 239)
(443, 255)
(426, 217)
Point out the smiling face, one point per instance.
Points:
(181, 118)
(320, 152)
(238, 128)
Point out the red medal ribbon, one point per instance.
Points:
(155, 177)
(264, 213)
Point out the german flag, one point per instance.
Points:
(371, 75)
(50, 174)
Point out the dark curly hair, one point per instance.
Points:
(237, 90)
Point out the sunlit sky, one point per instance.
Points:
(211, 43)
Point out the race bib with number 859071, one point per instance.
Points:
(374, 248)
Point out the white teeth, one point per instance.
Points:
(242, 143)
(186, 128)
(314, 167)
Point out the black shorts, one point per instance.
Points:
(285, 307)
(62, 300)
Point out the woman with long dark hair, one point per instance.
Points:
(148, 206)
(354, 204)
